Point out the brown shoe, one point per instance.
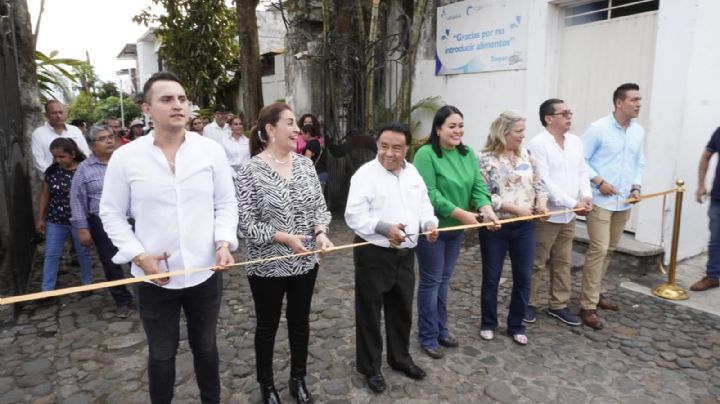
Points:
(591, 319)
(607, 304)
(705, 284)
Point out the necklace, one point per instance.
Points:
(278, 161)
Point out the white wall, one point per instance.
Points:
(684, 97)
(147, 62)
(273, 87)
(686, 110)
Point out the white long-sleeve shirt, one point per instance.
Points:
(182, 214)
(44, 135)
(237, 151)
(215, 132)
(563, 170)
(378, 195)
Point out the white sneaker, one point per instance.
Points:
(487, 335)
(521, 339)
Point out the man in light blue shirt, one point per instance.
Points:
(613, 148)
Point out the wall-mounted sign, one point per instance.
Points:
(481, 36)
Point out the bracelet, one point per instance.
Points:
(634, 189)
(600, 184)
(222, 244)
(319, 232)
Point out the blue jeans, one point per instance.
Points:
(437, 263)
(519, 240)
(713, 263)
(55, 236)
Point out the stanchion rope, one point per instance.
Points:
(131, 280)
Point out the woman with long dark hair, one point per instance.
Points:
(282, 211)
(54, 212)
(459, 196)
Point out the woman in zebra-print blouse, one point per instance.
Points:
(282, 211)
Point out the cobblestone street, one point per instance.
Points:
(77, 351)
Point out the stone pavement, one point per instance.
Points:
(650, 351)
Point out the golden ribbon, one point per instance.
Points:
(128, 281)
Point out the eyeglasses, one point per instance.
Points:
(566, 114)
(105, 138)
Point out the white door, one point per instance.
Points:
(596, 57)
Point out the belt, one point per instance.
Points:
(401, 252)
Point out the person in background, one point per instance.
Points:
(309, 119)
(315, 151)
(458, 195)
(236, 144)
(136, 129)
(53, 129)
(516, 190)
(85, 192)
(282, 211)
(80, 124)
(54, 212)
(712, 273)
(197, 125)
(218, 129)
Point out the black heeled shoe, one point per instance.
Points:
(269, 394)
(299, 390)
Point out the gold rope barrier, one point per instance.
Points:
(131, 280)
(670, 290)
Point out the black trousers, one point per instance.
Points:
(160, 315)
(384, 280)
(106, 250)
(268, 294)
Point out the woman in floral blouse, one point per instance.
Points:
(54, 212)
(516, 190)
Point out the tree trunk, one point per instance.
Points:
(250, 67)
(370, 67)
(329, 72)
(29, 93)
(402, 106)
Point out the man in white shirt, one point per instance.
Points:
(218, 128)
(388, 206)
(54, 128)
(178, 187)
(561, 163)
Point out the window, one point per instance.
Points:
(267, 64)
(607, 9)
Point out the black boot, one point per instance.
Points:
(299, 390)
(269, 394)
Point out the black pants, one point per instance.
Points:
(384, 279)
(268, 294)
(106, 250)
(160, 315)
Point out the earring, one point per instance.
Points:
(272, 139)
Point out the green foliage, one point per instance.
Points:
(111, 107)
(84, 107)
(87, 79)
(108, 89)
(197, 43)
(53, 73)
